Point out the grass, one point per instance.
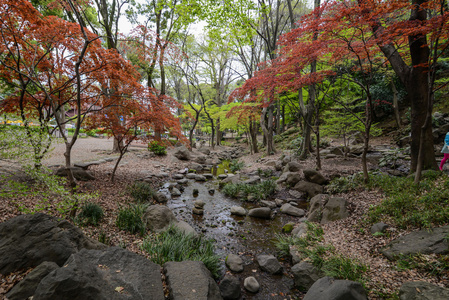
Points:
(130, 219)
(236, 165)
(174, 245)
(311, 249)
(410, 205)
(436, 265)
(257, 192)
(141, 192)
(91, 214)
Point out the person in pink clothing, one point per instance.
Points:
(445, 151)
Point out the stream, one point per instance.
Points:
(244, 236)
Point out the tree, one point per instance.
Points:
(53, 63)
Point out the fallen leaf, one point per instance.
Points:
(119, 289)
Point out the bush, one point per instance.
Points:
(311, 248)
(236, 165)
(130, 219)
(91, 214)
(174, 245)
(412, 205)
(141, 191)
(259, 191)
(157, 148)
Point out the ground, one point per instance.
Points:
(347, 236)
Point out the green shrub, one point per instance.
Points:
(174, 245)
(310, 248)
(412, 205)
(141, 192)
(259, 191)
(130, 219)
(345, 184)
(236, 165)
(157, 148)
(91, 214)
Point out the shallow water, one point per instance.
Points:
(244, 236)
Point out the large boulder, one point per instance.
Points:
(27, 287)
(234, 263)
(289, 209)
(310, 188)
(335, 209)
(325, 209)
(230, 287)
(29, 240)
(316, 207)
(260, 212)
(269, 263)
(305, 275)
(182, 153)
(79, 173)
(314, 176)
(292, 166)
(293, 178)
(420, 290)
(158, 217)
(328, 288)
(190, 280)
(115, 273)
(424, 241)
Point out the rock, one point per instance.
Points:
(292, 166)
(305, 275)
(208, 175)
(196, 167)
(287, 228)
(178, 176)
(205, 151)
(27, 287)
(316, 207)
(314, 176)
(260, 212)
(198, 211)
(231, 179)
(379, 227)
(183, 181)
(182, 153)
(335, 209)
(29, 240)
(286, 159)
(238, 211)
(185, 228)
(201, 159)
(230, 287)
(420, 290)
(422, 241)
(311, 189)
(278, 165)
(252, 180)
(175, 192)
(93, 274)
(300, 230)
(86, 165)
(266, 203)
(200, 178)
(190, 280)
(293, 178)
(283, 177)
(191, 176)
(78, 173)
(269, 264)
(158, 217)
(199, 204)
(295, 255)
(336, 151)
(251, 284)
(211, 192)
(234, 263)
(279, 202)
(328, 288)
(222, 176)
(289, 209)
(160, 197)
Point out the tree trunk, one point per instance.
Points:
(397, 116)
(253, 134)
(267, 128)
